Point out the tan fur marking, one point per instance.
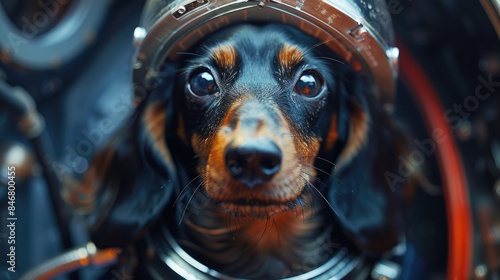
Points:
(154, 120)
(332, 134)
(197, 144)
(200, 145)
(289, 56)
(82, 194)
(287, 226)
(358, 132)
(225, 56)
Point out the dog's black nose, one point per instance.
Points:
(254, 162)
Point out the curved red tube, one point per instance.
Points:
(455, 185)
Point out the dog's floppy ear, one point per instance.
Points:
(367, 205)
(131, 180)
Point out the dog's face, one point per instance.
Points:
(256, 108)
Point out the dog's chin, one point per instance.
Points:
(258, 209)
(263, 202)
(284, 193)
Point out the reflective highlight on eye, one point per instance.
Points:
(203, 83)
(309, 84)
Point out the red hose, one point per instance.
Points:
(450, 164)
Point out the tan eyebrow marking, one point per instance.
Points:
(225, 55)
(289, 56)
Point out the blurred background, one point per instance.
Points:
(74, 59)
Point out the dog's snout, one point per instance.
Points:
(254, 162)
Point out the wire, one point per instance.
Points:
(72, 260)
(22, 108)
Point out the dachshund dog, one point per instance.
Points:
(259, 143)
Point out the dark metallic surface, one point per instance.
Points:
(172, 261)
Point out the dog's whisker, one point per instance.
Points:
(182, 71)
(277, 230)
(189, 53)
(319, 44)
(234, 224)
(185, 70)
(343, 184)
(325, 160)
(332, 176)
(320, 195)
(303, 213)
(263, 232)
(315, 178)
(189, 201)
(192, 165)
(237, 227)
(334, 165)
(316, 168)
(195, 160)
(185, 188)
(332, 59)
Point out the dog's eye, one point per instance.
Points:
(309, 84)
(203, 83)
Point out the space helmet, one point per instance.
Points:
(359, 31)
